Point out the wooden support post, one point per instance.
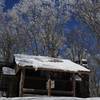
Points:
(74, 85)
(49, 86)
(21, 83)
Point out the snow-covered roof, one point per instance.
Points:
(8, 71)
(44, 62)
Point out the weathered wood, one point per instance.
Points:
(74, 85)
(17, 68)
(54, 70)
(59, 92)
(21, 83)
(32, 91)
(49, 87)
(35, 78)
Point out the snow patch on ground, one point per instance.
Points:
(49, 98)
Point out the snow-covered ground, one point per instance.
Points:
(50, 98)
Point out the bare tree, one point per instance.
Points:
(41, 22)
(75, 41)
(7, 40)
(88, 11)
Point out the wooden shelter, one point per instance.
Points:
(40, 75)
(50, 76)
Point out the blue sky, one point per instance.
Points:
(10, 3)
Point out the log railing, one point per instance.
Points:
(34, 85)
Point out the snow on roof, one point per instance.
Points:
(44, 62)
(8, 71)
(84, 60)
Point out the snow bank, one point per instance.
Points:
(50, 98)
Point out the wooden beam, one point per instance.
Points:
(17, 68)
(74, 85)
(49, 86)
(21, 83)
(41, 91)
(54, 70)
(36, 91)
